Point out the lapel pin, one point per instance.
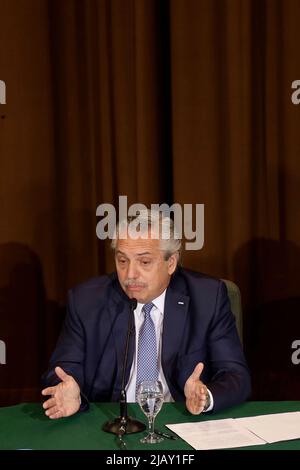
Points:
(180, 303)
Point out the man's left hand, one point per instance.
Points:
(195, 391)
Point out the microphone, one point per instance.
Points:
(124, 424)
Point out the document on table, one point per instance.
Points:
(216, 434)
(274, 427)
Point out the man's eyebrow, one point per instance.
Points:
(144, 253)
(119, 252)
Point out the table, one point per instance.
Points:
(25, 426)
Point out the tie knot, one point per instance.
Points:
(147, 308)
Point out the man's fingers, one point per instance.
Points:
(48, 391)
(195, 391)
(61, 374)
(58, 414)
(198, 395)
(197, 399)
(195, 406)
(197, 371)
(54, 412)
(47, 404)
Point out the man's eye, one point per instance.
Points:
(122, 261)
(145, 262)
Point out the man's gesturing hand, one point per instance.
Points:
(195, 391)
(65, 397)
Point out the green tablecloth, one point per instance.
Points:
(25, 426)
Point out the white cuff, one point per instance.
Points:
(211, 401)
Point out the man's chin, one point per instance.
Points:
(137, 294)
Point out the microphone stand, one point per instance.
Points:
(124, 424)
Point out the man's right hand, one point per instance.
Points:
(65, 397)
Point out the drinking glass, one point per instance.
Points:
(150, 398)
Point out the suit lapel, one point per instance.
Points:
(175, 314)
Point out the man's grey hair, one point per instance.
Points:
(154, 224)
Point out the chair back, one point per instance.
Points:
(234, 295)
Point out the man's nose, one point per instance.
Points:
(132, 271)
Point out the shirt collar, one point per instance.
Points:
(158, 302)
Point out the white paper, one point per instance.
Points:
(215, 434)
(274, 427)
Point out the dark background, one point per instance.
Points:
(184, 101)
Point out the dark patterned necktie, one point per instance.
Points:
(147, 367)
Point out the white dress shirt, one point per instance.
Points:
(157, 315)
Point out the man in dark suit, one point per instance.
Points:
(198, 354)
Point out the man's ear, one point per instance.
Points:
(172, 263)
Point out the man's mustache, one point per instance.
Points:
(134, 283)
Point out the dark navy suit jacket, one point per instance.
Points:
(198, 326)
